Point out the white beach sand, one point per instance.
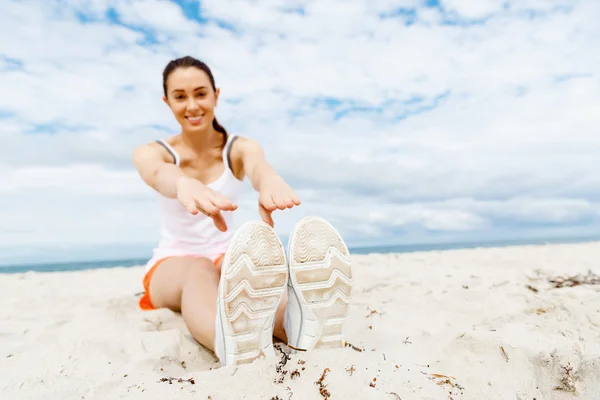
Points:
(466, 314)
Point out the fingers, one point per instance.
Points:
(266, 215)
(266, 201)
(288, 200)
(279, 201)
(219, 222)
(188, 202)
(207, 207)
(191, 206)
(294, 198)
(213, 204)
(222, 202)
(196, 198)
(269, 202)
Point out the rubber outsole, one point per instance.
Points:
(253, 281)
(321, 279)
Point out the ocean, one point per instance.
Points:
(407, 248)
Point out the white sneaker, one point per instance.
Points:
(319, 286)
(253, 281)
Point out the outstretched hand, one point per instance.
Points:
(275, 194)
(196, 197)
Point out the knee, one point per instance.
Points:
(200, 269)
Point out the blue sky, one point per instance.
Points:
(400, 121)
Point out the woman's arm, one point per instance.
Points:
(274, 193)
(152, 163)
(169, 180)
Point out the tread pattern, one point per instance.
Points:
(314, 238)
(259, 243)
(254, 281)
(321, 273)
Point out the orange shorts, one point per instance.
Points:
(145, 303)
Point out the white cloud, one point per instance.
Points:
(473, 10)
(474, 117)
(163, 17)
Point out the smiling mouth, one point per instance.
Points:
(194, 119)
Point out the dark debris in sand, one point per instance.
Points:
(179, 380)
(449, 383)
(295, 371)
(534, 290)
(567, 381)
(282, 372)
(322, 387)
(575, 280)
(279, 368)
(353, 347)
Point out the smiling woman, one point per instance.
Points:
(181, 73)
(231, 287)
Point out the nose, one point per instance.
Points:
(191, 104)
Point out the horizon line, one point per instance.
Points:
(366, 249)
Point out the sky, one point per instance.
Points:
(400, 121)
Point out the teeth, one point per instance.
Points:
(194, 118)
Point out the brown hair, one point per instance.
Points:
(186, 62)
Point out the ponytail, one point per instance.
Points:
(217, 127)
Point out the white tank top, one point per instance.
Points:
(184, 234)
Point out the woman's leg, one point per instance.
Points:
(278, 330)
(189, 285)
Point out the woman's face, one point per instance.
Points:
(191, 98)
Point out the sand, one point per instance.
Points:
(460, 324)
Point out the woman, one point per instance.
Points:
(234, 291)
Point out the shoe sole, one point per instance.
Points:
(253, 280)
(320, 272)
